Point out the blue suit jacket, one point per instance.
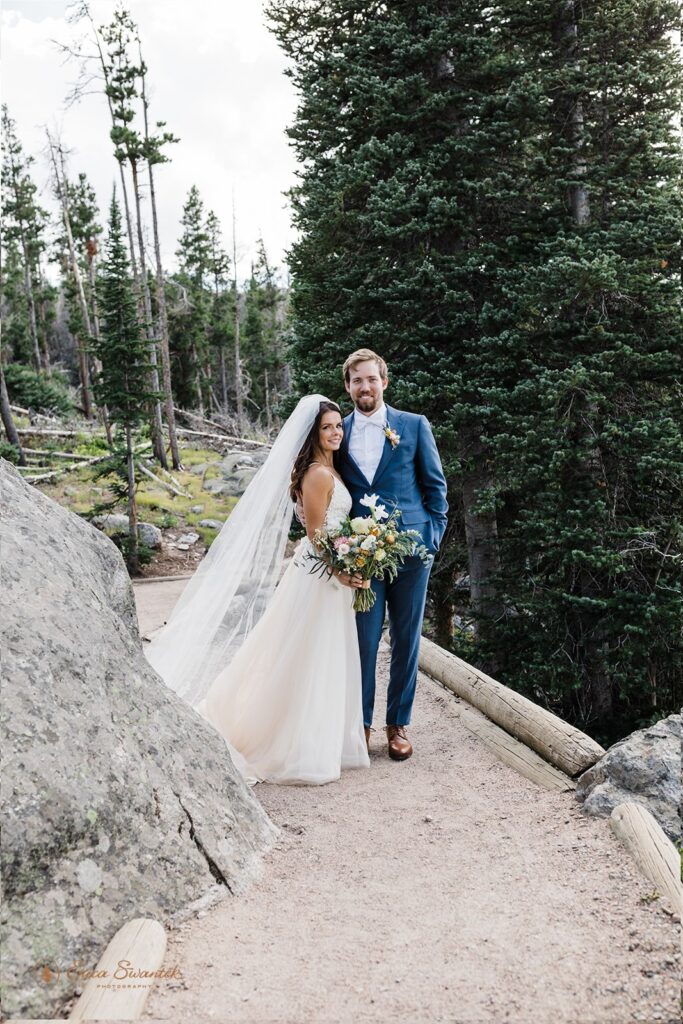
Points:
(408, 477)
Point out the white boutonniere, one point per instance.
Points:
(394, 438)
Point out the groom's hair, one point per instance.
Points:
(360, 356)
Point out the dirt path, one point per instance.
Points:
(443, 888)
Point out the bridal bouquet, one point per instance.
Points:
(367, 546)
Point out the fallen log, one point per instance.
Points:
(140, 944)
(569, 749)
(512, 751)
(163, 483)
(54, 432)
(651, 848)
(222, 437)
(66, 469)
(199, 419)
(79, 465)
(57, 455)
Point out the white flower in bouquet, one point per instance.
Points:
(369, 500)
(360, 525)
(380, 554)
(369, 543)
(381, 512)
(343, 549)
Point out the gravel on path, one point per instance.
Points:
(443, 888)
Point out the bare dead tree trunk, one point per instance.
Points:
(92, 254)
(133, 551)
(85, 9)
(42, 318)
(164, 346)
(239, 395)
(8, 419)
(224, 381)
(197, 378)
(61, 186)
(157, 430)
(266, 388)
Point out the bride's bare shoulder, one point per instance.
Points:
(317, 478)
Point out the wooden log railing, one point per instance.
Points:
(140, 943)
(651, 848)
(569, 749)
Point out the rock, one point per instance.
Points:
(187, 539)
(200, 467)
(116, 522)
(234, 485)
(118, 799)
(196, 509)
(210, 524)
(644, 767)
(234, 460)
(149, 535)
(112, 522)
(215, 486)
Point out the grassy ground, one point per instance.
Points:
(79, 492)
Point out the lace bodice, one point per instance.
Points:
(337, 510)
(339, 507)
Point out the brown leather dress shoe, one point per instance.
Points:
(399, 745)
(368, 730)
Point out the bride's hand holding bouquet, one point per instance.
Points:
(366, 547)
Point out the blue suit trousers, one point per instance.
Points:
(405, 600)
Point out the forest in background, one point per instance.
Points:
(488, 197)
(215, 347)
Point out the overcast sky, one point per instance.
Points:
(215, 76)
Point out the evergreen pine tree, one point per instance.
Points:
(487, 199)
(24, 222)
(263, 349)
(222, 315)
(190, 322)
(122, 383)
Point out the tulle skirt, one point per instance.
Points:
(289, 704)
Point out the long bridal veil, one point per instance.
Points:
(233, 583)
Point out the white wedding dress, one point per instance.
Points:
(289, 704)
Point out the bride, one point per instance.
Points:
(274, 666)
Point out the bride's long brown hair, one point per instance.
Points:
(308, 450)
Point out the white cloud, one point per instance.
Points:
(215, 76)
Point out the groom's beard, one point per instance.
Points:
(368, 404)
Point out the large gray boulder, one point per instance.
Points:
(118, 800)
(644, 767)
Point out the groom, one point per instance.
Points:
(392, 454)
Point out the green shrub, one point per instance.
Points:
(8, 451)
(122, 541)
(90, 445)
(37, 390)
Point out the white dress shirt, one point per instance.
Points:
(367, 440)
